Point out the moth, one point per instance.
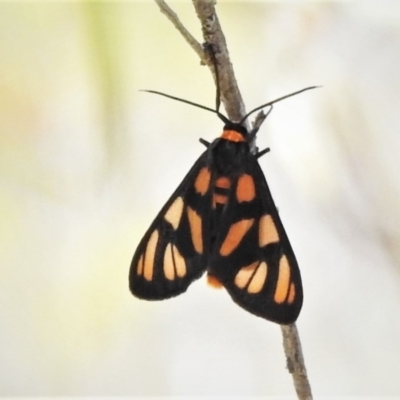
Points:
(222, 220)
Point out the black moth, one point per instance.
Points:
(222, 219)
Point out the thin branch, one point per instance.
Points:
(171, 15)
(295, 361)
(213, 34)
(233, 102)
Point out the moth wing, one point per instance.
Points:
(252, 256)
(174, 250)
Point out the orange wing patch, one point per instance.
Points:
(202, 181)
(292, 294)
(267, 232)
(235, 235)
(258, 279)
(195, 229)
(245, 190)
(243, 277)
(146, 260)
(220, 198)
(174, 213)
(140, 266)
(283, 283)
(169, 268)
(223, 182)
(252, 276)
(174, 264)
(180, 264)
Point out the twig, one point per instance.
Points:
(194, 44)
(212, 33)
(232, 100)
(295, 361)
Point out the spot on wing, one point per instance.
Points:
(180, 264)
(267, 232)
(242, 278)
(169, 269)
(223, 182)
(235, 235)
(140, 266)
(174, 213)
(220, 198)
(258, 280)
(148, 262)
(245, 190)
(174, 263)
(292, 293)
(253, 276)
(214, 282)
(282, 285)
(195, 229)
(202, 181)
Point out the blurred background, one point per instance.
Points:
(87, 161)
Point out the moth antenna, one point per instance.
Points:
(221, 116)
(275, 101)
(179, 99)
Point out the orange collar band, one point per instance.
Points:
(233, 136)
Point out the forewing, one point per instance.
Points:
(175, 249)
(252, 256)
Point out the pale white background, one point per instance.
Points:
(87, 160)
